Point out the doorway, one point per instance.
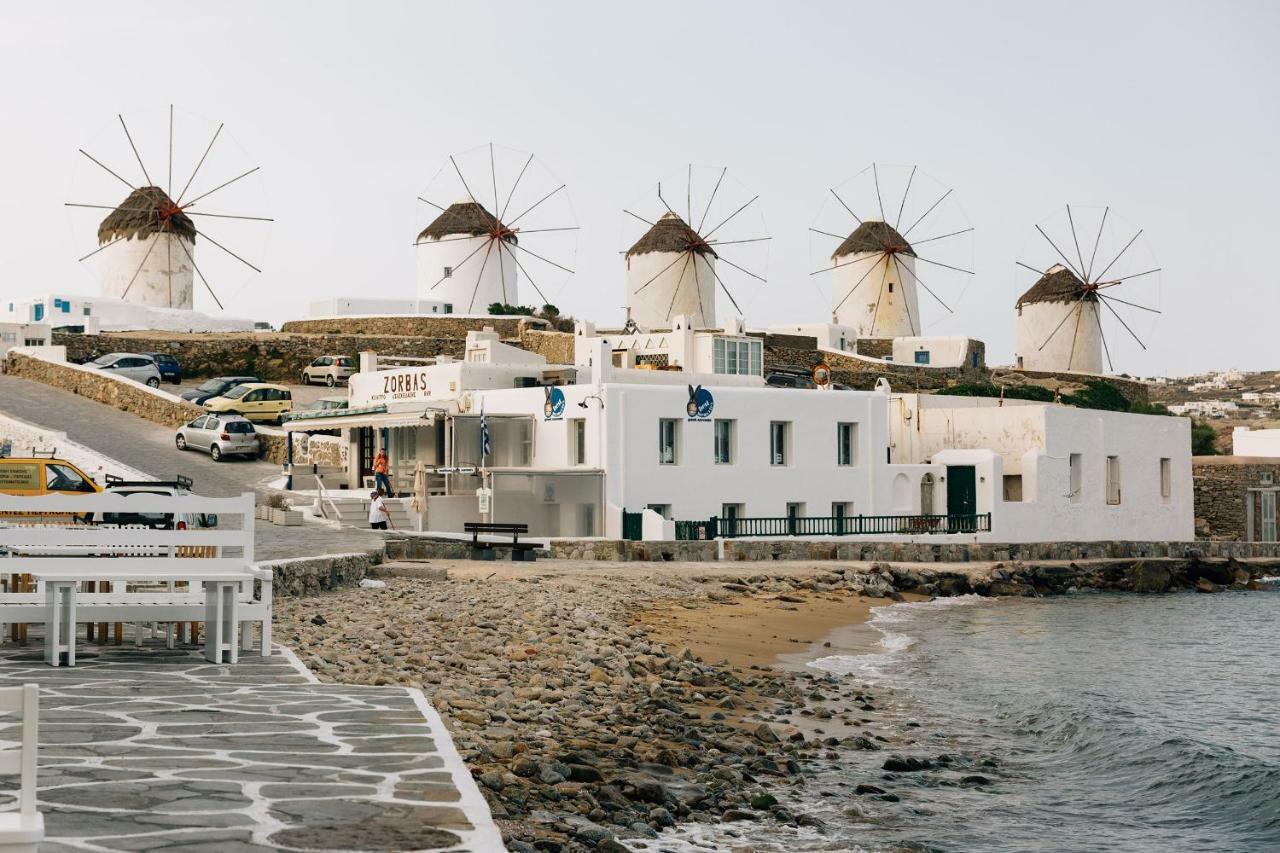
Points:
(962, 498)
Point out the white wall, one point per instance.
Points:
(357, 307)
(860, 287)
(151, 270)
(1255, 442)
(1076, 346)
(681, 286)
(942, 352)
(830, 336)
(476, 282)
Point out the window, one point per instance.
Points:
(448, 272)
(577, 441)
(891, 287)
(33, 342)
(61, 478)
(846, 444)
(1166, 478)
(587, 520)
(1113, 480)
(1075, 485)
(667, 441)
(779, 438)
(448, 308)
(737, 356)
(922, 356)
(724, 441)
(1013, 488)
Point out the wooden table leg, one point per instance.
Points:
(60, 630)
(221, 621)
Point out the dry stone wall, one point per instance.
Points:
(122, 394)
(555, 347)
(1222, 485)
(443, 326)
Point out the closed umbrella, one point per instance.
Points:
(419, 502)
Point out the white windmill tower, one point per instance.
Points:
(674, 266)
(875, 269)
(469, 254)
(147, 250)
(1061, 320)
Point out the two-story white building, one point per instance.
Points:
(571, 448)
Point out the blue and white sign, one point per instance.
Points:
(553, 408)
(701, 404)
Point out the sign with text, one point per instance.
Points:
(402, 385)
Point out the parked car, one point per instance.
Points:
(130, 365)
(216, 387)
(219, 436)
(789, 380)
(170, 369)
(325, 404)
(31, 476)
(330, 369)
(180, 485)
(257, 401)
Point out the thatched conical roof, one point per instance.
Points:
(1058, 284)
(671, 234)
(143, 214)
(463, 218)
(873, 236)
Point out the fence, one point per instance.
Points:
(850, 525)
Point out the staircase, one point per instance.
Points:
(354, 511)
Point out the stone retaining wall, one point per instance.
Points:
(310, 575)
(555, 347)
(1132, 390)
(123, 394)
(427, 326)
(275, 357)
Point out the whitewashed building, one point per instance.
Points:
(466, 261)
(24, 335)
(670, 273)
(573, 447)
(359, 307)
(1057, 326)
(1255, 442)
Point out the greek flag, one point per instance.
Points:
(485, 449)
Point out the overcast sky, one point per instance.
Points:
(1166, 111)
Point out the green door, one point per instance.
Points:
(962, 498)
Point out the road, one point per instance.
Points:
(149, 448)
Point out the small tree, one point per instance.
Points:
(1204, 439)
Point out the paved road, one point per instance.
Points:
(149, 447)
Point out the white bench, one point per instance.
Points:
(22, 830)
(140, 575)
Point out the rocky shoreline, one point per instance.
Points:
(581, 728)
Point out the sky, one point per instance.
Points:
(1165, 111)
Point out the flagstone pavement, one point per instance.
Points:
(158, 750)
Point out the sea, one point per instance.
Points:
(1087, 722)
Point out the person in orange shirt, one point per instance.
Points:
(380, 478)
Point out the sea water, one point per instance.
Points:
(1089, 722)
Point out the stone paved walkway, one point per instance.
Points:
(155, 750)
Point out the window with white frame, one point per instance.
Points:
(724, 438)
(737, 356)
(779, 441)
(1113, 480)
(667, 441)
(847, 444)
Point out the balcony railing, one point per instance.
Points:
(849, 525)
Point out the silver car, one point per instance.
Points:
(219, 436)
(140, 368)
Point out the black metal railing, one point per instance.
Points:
(849, 525)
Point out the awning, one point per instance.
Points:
(345, 420)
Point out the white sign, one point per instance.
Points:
(484, 496)
(402, 385)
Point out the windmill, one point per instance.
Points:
(676, 264)
(494, 216)
(883, 236)
(146, 252)
(1075, 291)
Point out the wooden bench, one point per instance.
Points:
(103, 574)
(520, 551)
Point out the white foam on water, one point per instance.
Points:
(741, 837)
(873, 665)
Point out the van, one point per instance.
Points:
(32, 476)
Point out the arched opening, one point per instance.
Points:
(926, 494)
(902, 493)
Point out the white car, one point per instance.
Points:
(140, 368)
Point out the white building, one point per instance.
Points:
(873, 284)
(466, 260)
(671, 272)
(683, 347)
(1205, 408)
(357, 307)
(1255, 442)
(1058, 328)
(149, 251)
(24, 335)
(95, 314)
(568, 459)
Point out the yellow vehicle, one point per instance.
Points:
(31, 476)
(256, 401)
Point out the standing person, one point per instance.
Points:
(380, 479)
(379, 519)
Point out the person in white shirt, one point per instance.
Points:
(378, 517)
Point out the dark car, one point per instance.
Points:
(170, 369)
(216, 388)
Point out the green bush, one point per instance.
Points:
(1204, 439)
